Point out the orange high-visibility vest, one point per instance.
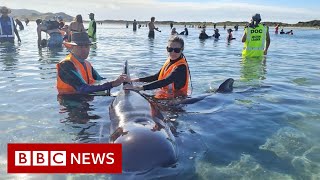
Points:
(86, 74)
(170, 91)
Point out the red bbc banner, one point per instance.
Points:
(64, 158)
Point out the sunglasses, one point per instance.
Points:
(176, 50)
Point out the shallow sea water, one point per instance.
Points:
(268, 128)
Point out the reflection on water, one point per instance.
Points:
(8, 56)
(77, 109)
(253, 69)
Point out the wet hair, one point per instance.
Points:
(178, 40)
(153, 18)
(79, 18)
(38, 21)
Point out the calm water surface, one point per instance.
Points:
(268, 128)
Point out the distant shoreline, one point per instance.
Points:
(309, 24)
(32, 15)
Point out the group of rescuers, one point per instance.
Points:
(76, 75)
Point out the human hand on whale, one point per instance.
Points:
(122, 78)
(132, 87)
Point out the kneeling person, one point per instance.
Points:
(76, 75)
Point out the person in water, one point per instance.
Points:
(230, 37)
(174, 32)
(185, 32)
(216, 34)
(76, 26)
(282, 31)
(276, 29)
(61, 22)
(203, 34)
(134, 25)
(51, 28)
(152, 28)
(173, 77)
(27, 21)
(7, 27)
(19, 23)
(290, 32)
(92, 30)
(256, 38)
(76, 75)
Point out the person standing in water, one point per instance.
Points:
(152, 28)
(75, 26)
(92, 30)
(7, 27)
(256, 38)
(134, 25)
(276, 29)
(19, 23)
(76, 75)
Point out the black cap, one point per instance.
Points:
(256, 17)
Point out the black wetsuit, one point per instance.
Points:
(186, 32)
(69, 75)
(203, 36)
(216, 35)
(178, 77)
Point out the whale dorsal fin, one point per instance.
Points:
(126, 71)
(226, 86)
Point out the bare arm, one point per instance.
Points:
(39, 35)
(244, 37)
(267, 42)
(17, 34)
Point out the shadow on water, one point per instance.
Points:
(8, 56)
(77, 109)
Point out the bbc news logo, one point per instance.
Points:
(64, 158)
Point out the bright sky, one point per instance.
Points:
(178, 10)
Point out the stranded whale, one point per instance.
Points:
(139, 126)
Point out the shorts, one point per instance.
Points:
(55, 40)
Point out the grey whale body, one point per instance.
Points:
(139, 126)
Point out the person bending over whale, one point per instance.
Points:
(51, 28)
(173, 77)
(76, 75)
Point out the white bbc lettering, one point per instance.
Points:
(58, 158)
(22, 158)
(40, 158)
